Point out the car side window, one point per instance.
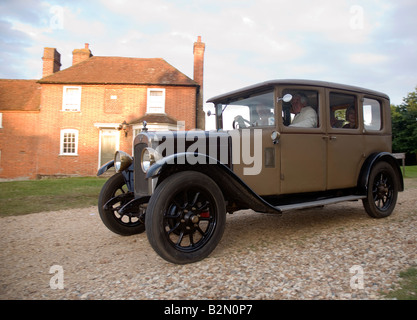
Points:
(372, 114)
(303, 109)
(343, 111)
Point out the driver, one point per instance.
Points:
(305, 116)
(264, 117)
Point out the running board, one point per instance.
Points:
(317, 203)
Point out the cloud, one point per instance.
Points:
(368, 58)
(366, 43)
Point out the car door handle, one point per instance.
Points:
(333, 138)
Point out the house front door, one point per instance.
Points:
(109, 143)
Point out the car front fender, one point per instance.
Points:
(105, 167)
(233, 188)
(127, 174)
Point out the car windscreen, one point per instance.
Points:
(257, 110)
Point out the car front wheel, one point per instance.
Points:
(186, 217)
(113, 196)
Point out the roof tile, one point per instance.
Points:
(20, 95)
(121, 70)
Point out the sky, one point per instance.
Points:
(366, 43)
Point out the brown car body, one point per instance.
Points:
(315, 159)
(266, 154)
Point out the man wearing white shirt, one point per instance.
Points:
(305, 116)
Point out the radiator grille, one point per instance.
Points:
(141, 184)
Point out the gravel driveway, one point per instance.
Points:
(320, 253)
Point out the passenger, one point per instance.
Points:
(351, 118)
(334, 122)
(305, 116)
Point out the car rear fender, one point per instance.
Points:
(368, 165)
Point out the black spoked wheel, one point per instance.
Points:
(186, 217)
(382, 191)
(113, 196)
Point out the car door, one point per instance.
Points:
(254, 154)
(344, 138)
(302, 150)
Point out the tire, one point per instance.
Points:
(186, 217)
(382, 191)
(127, 224)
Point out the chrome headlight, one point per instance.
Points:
(148, 158)
(122, 161)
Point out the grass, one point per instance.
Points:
(23, 197)
(407, 287)
(410, 171)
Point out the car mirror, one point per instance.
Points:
(210, 114)
(286, 98)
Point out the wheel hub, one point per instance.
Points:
(190, 219)
(382, 190)
(194, 219)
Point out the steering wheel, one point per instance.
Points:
(240, 123)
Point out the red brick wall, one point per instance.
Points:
(181, 105)
(19, 140)
(36, 136)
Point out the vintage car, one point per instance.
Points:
(279, 145)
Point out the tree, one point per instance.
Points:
(404, 125)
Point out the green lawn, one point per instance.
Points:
(23, 197)
(410, 171)
(407, 287)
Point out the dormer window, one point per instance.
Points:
(156, 101)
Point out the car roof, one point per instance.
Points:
(259, 87)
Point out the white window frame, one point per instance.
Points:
(62, 151)
(1, 120)
(67, 104)
(154, 106)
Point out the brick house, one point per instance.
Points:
(70, 122)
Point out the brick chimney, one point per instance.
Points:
(51, 61)
(79, 55)
(199, 48)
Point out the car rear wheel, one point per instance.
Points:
(382, 191)
(186, 217)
